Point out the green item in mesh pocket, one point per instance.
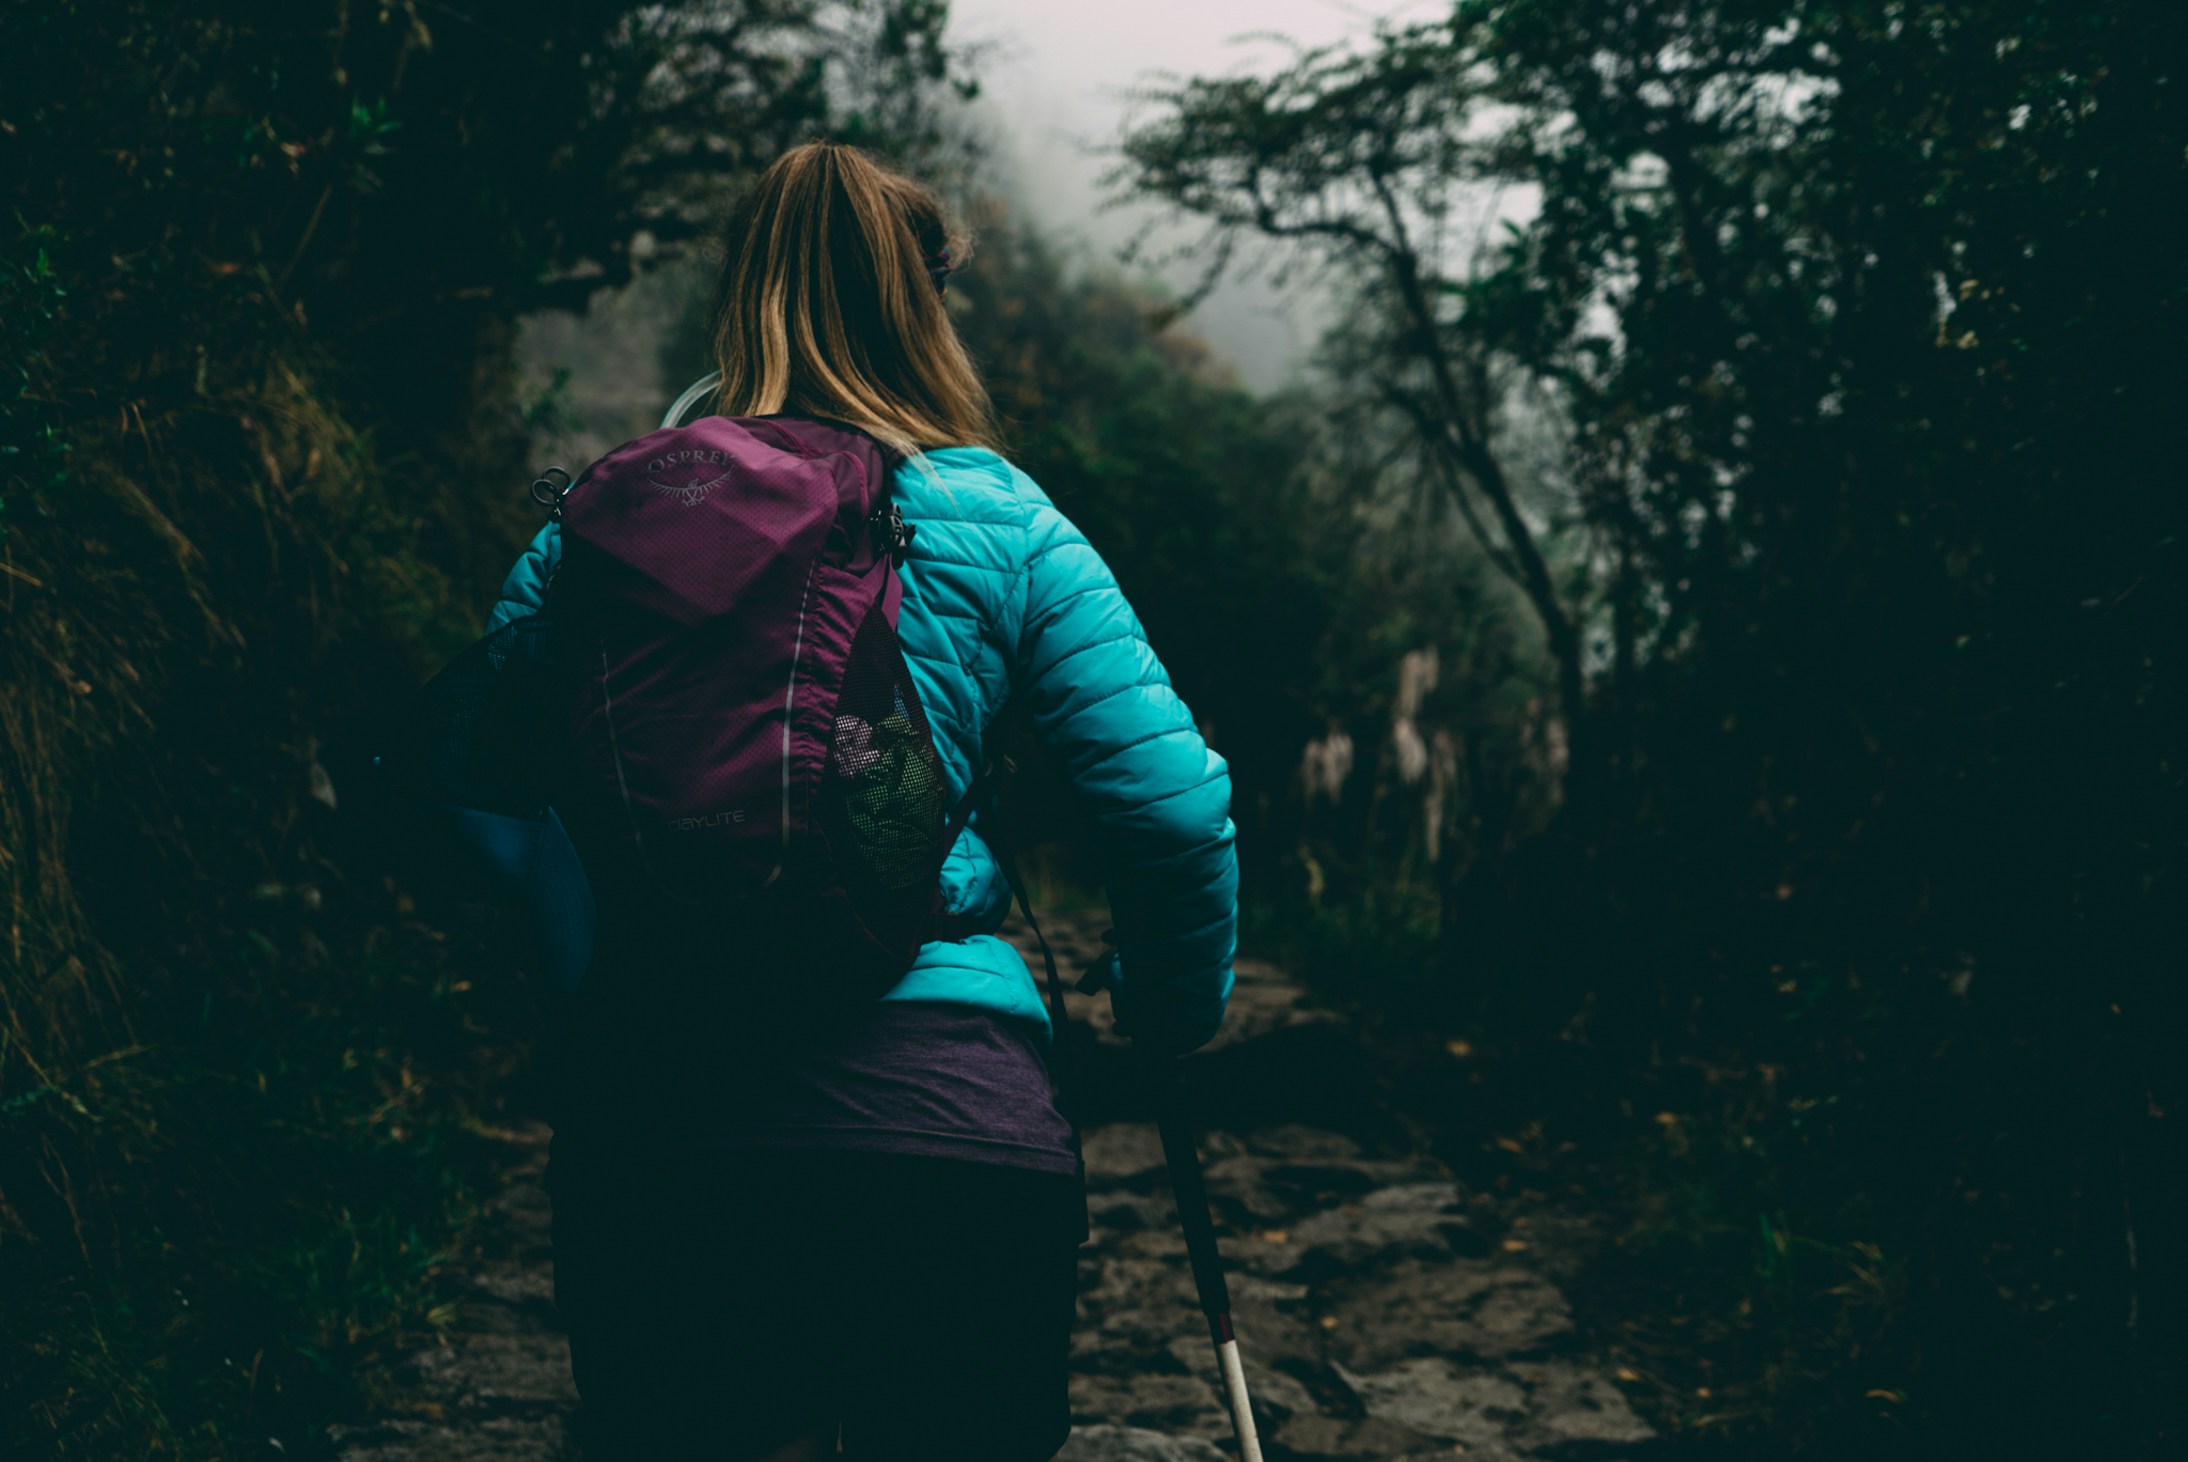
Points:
(883, 801)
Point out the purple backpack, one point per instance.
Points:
(742, 723)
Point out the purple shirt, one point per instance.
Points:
(919, 1079)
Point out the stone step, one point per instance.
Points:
(1376, 1317)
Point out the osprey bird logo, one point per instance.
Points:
(690, 494)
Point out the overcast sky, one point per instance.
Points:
(1055, 82)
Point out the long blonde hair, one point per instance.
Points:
(828, 305)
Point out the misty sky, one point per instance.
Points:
(1054, 81)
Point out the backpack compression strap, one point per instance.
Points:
(986, 781)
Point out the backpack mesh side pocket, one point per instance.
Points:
(883, 797)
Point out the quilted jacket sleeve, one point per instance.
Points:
(1099, 698)
(525, 587)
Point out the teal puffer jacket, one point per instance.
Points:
(1003, 599)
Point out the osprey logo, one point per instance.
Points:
(693, 491)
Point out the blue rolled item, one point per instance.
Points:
(529, 863)
(462, 783)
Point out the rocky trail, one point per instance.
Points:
(1384, 1310)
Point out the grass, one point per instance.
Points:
(299, 1170)
(236, 1074)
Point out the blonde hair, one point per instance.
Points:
(827, 306)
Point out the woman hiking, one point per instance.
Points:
(783, 1219)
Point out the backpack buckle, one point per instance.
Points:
(549, 489)
(892, 535)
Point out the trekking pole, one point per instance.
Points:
(1182, 1153)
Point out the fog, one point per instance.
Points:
(1057, 78)
(1056, 90)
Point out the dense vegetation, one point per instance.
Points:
(1857, 556)
(259, 273)
(1709, 649)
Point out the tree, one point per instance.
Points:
(1861, 318)
(1378, 160)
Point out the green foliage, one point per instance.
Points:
(33, 453)
(216, 1189)
(1857, 327)
(263, 462)
(295, 1164)
(1372, 946)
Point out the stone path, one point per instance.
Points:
(1384, 1310)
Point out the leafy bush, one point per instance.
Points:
(261, 465)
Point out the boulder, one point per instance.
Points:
(1555, 1408)
(1134, 1444)
(497, 1371)
(1476, 1308)
(1412, 1220)
(1173, 1405)
(1239, 1193)
(1368, 1437)
(1437, 1399)
(1115, 1214)
(1296, 1142)
(1277, 1397)
(1124, 1155)
(1571, 1407)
